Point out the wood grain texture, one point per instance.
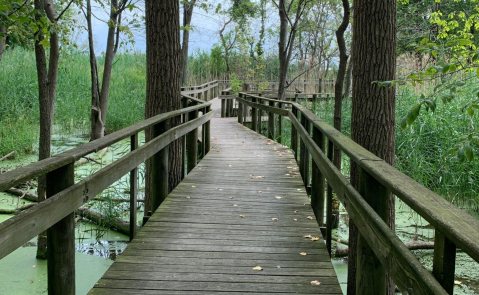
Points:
(220, 222)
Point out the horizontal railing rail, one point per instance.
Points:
(454, 227)
(64, 196)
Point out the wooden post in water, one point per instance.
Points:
(133, 189)
(207, 127)
(61, 236)
(329, 203)
(159, 169)
(192, 144)
(223, 108)
(371, 275)
(444, 261)
(317, 181)
(271, 122)
(294, 135)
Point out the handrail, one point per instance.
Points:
(55, 214)
(453, 226)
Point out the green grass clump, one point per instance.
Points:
(19, 96)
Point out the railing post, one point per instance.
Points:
(207, 127)
(61, 237)
(371, 275)
(280, 124)
(223, 107)
(183, 141)
(329, 203)
(302, 149)
(232, 105)
(259, 122)
(305, 152)
(133, 189)
(159, 169)
(245, 111)
(271, 122)
(254, 115)
(240, 110)
(444, 261)
(206, 95)
(294, 135)
(317, 182)
(200, 95)
(192, 144)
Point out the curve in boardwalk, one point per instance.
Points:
(243, 206)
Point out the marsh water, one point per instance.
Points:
(97, 246)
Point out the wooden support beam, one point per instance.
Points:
(444, 262)
(371, 274)
(271, 122)
(305, 155)
(317, 181)
(329, 203)
(294, 135)
(61, 236)
(133, 190)
(192, 144)
(207, 128)
(254, 115)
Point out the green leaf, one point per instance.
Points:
(477, 72)
(452, 67)
(453, 150)
(460, 155)
(445, 69)
(431, 104)
(403, 123)
(468, 153)
(470, 111)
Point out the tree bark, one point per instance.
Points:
(338, 87)
(373, 107)
(347, 82)
(187, 15)
(163, 78)
(3, 40)
(47, 73)
(99, 105)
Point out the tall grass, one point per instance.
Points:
(19, 108)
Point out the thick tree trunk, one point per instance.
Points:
(47, 85)
(283, 53)
(187, 14)
(338, 87)
(163, 78)
(3, 40)
(373, 107)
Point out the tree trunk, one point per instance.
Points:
(347, 82)
(100, 106)
(373, 107)
(47, 86)
(283, 38)
(338, 87)
(163, 78)
(187, 14)
(3, 40)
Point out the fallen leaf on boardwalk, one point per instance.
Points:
(220, 189)
(315, 283)
(216, 138)
(252, 177)
(309, 217)
(308, 236)
(287, 174)
(259, 192)
(235, 205)
(187, 197)
(281, 155)
(457, 282)
(218, 151)
(231, 197)
(196, 173)
(298, 189)
(278, 197)
(229, 165)
(242, 216)
(289, 167)
(303, 253)
(315, 239)
(257, 268)
(193, 186)
(268, 140)
(274, 219)
(295, 211)
(295, 219)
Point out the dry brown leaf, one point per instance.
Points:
(187, 197)
(257, 268)
(242, 216)
(220, 189)
(289, 167)
(303, 253)
(281, 155)
(298, 189)
(315, 283)
(235, 205)
(259, 192)
(287, 174)
(315, 239)
(308, 236)
(193, 186)
(274, 219)
(278, 197)
(232, 197)
(295, 211)
(216, 138)
(218, 151)
(309, 217)
(295, 219)
(252, 177)
(457, 282)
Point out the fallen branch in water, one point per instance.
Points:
(116, 223)
(7, 156)
(34, 198)
(411, 245)
(17, 210)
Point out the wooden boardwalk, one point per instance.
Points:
(244, 205)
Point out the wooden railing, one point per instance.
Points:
(380, 251)
(64, 196)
